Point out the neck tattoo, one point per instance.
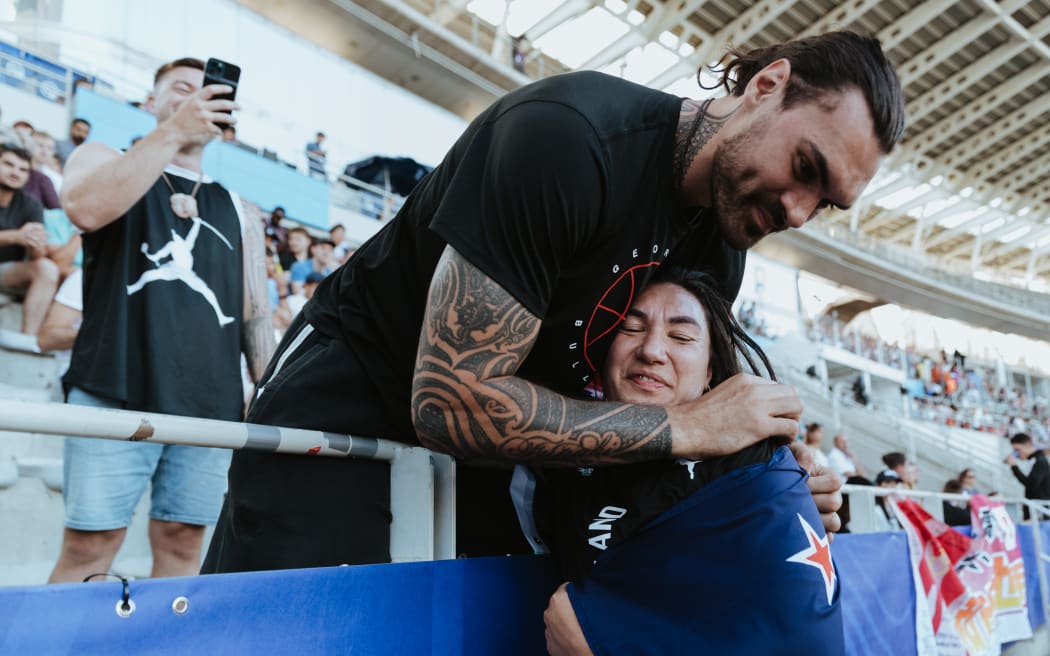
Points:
(692, 136)
(184, 205)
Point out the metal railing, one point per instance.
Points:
(862, 509)
(364, 198)
(422, 483)
(942, 271)
(955, 448)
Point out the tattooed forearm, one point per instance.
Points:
(257, 341)
(466, 400)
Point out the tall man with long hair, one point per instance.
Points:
(475, 321)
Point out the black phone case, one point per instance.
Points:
(217, 71)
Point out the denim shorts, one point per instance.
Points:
(103, 480)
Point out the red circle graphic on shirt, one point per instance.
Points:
(605, 318)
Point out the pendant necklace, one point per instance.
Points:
(184, 205)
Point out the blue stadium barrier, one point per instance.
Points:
(262, 181)
(475, 606)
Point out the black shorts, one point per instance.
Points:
(289, 511)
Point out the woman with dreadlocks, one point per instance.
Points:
(725, 555)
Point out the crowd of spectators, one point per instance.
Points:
(951, 389)
(39, 247)
(296, 262)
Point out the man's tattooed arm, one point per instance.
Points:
(467, 401)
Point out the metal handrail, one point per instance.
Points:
(944, 271)
(390, 201)
(422, 483)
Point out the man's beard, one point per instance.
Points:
(76, 141)
(736, 209)
(4, 187)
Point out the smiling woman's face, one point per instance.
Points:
(661, 353)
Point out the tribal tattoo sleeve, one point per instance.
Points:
(467, 401)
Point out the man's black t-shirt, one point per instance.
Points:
(563, 193)
(22, 209)
(163, 299)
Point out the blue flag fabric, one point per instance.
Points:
(741, 566)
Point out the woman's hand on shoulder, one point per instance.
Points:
(563, 632)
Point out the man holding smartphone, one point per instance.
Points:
(1037, 481)
(174, 292)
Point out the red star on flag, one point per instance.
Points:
(817, 554)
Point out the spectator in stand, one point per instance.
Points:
(38, 185)
(81, 83)
(150, 215)
(79, 130)
(896, 461)
(841, 459)
(1037, 481)
(276, 286)
(229, 135)
(298, 248)
(319, 255)
(293, 303)
(277, 291)
(64, 243)
(322, 254)
(45, 160)
(886, 520)
(316, 157)
(813, 439)
(956, 513)
(342, 246)
(273, 229)
(24, 130)
(518, 48)
(321, 262)
(907, 473)
(301, 246)
(24, 267)
(968, 481)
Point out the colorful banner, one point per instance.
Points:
(970, 593)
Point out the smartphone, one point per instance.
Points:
(217, 71)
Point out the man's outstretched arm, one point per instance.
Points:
(466, 400)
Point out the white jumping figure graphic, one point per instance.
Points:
(180, 266)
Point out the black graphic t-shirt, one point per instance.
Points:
(163, 299)
(22, 209)
(563, 193)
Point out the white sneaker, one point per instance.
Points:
(16, 341)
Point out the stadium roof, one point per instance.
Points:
(969, 187)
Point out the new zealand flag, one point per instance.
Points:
(741, 566)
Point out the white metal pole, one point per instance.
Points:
(444, 506)
(411, 506)
(66, 420)
(412, 488)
